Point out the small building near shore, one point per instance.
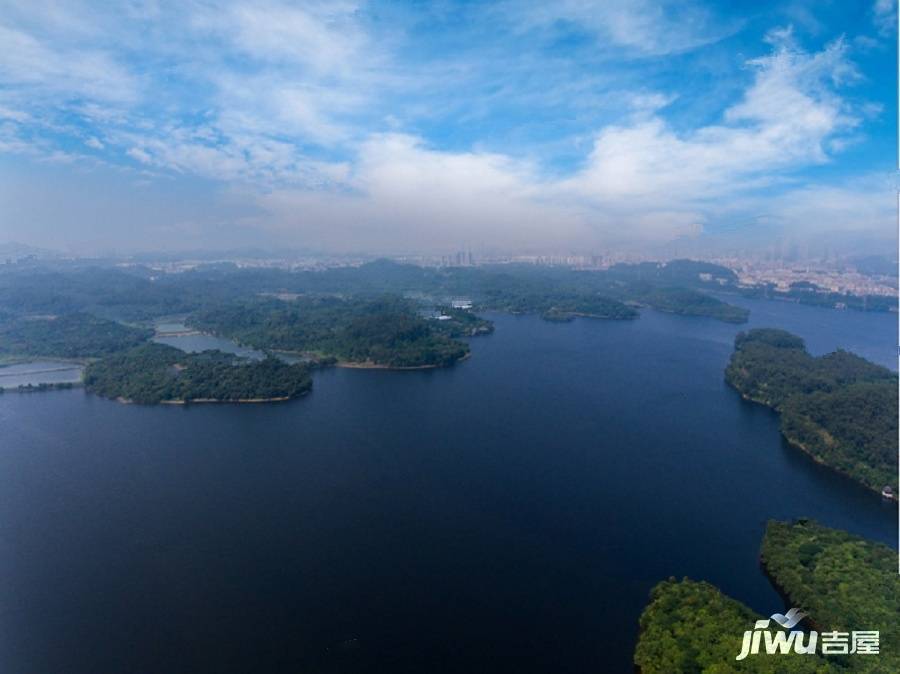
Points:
(461, 303)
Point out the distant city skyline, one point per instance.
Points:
(519, 128)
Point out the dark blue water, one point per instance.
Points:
(509, 514)
(869, 334)
(38, 372)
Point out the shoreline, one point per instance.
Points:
(369, 365)
(782, 592)
(180, 333)
(43, 388)
(238, 401)
(9, 361)
(47, 371)
(796, 444)
(605, 317)
(207, 401)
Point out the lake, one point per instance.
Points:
(177, 334)
(38, 372)
(508, 514)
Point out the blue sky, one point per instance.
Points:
(571, 126)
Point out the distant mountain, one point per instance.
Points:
(688, 273)
(247, 253)
(16, 250)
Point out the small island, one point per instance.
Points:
(691, 626)
(380, 314)
(687, 302)
(839, 408)
(361, 332)
(156, 373)
(843, 582)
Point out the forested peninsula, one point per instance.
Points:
(156, 373)
(691, 626)
(384, 332)
(138, 293)
(377, 315)
(843, 582)
(75, 335)
(839, 408)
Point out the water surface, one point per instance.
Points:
(509, 514)
(39, 372)
(194, 343)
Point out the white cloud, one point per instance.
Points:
(270, 105)
(14, 114)
(289, 103)
(866, 205)
(784, 121)
(642, 181)
(141, 155)
(322, 36)
(57, 71)
(248, 158)
(884, 13)
(649, 27)
(403, 196)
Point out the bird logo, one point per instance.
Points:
(787, 620)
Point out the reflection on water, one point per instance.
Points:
(200, 342)
(39, 372)
(181, 336)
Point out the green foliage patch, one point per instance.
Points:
(690, 627)
(385, 331)
(839, 408)
(75, 335)
(842, 581)
(154, 373)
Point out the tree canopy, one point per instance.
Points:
(840, 408)
(691, 627)
(384, 331)
(153, 373)
(843, 582)
(73, 335)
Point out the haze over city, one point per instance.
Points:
(398, 128)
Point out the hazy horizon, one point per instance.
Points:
(379, 127)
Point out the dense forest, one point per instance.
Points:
(153, 373)
(74, 335)
(818, 297)
(687, 302)
(118, 294)
(839, 408)
(843, 582)
(562, 306)
(690, 626)
(385, 331)
(138, 293)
